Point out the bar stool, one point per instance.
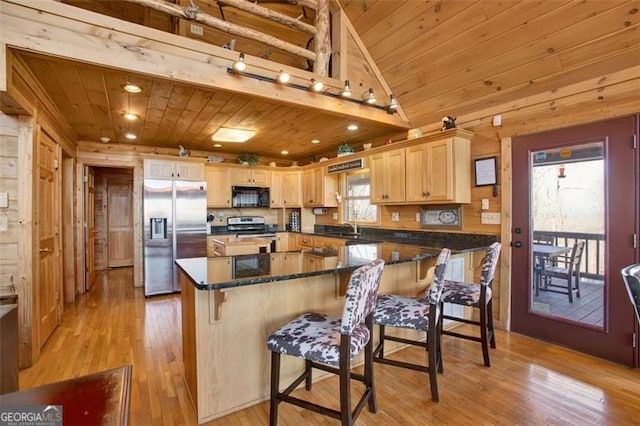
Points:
(415, 314)
(477, 296)
(328, 342)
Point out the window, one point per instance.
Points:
(357, 207)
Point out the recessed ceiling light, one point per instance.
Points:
(352, 127)
(226, 134)
(284, 152)
(131, 116)
(131, 88)
(315, 141)
(105, 139)
(130, 136)
(217, 145)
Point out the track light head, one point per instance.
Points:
(240, 65)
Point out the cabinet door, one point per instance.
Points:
(394, 176)
(416, 174)
(159, 169)
(260, 177)
(376, 178)
(309, 184)
(440, 171)
(291, 189)
(240, 175)
(219, 270)
(189, 171)
(218, 186)
(282, 241)
(277, 188)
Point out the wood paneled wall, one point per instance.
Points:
(9, 184)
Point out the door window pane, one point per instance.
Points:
(568, 222)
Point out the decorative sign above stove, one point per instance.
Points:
(346, 166)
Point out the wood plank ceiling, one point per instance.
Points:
(439, 58)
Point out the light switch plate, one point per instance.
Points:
(490, 218)
(4, 200)
(417, 217)
(485, 204)
(395, 217)
(335, 216)
(4, 227)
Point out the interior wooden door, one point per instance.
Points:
(48, 224)
(120, 222)
(90, 229)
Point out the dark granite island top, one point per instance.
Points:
(216, 273)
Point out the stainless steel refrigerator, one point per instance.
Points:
(175, 227)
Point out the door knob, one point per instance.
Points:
(516, 244)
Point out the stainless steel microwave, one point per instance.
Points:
(249, 196)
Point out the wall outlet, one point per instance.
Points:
(395, 217)
(196, 29)
(485, 204)
(335, 216)
(490, 218)
(4, 200)
(417, 217)
(4, 227)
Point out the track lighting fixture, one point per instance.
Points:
(346, 92)
(370, 97)
(283, 77)
(239, 68)
(393, 103)
(316, 85)
(240, 65)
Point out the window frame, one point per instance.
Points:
(346, 198)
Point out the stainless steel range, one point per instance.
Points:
(249, 226)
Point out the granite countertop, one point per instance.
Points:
(234, 271)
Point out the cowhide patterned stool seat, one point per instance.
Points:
(328, 342)
(416, 314)
(475, 296)
(631, 278)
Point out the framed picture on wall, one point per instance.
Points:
(485, 171)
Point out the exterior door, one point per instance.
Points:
(120, 222)
(48, 225)
(571, 185)
(90, 229)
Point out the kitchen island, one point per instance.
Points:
(231, 304)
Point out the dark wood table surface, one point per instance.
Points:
(96, 399)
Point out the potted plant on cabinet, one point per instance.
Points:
(249, 158)
(345, 149)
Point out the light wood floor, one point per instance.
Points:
(530, 382)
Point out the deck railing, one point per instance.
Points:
(592, 265)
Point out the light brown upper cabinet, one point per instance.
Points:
(286, 188)
(318, 189)
(250, 177)
(388, 177)
(433, 173)
(218, 186)
(173, 170)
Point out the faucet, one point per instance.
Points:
(354, 226)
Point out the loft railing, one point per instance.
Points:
(592, 265)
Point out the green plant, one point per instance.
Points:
(344, 148)
(248, 157)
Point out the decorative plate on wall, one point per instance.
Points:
(442, 217)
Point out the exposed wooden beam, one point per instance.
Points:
(228, 27)
(113, 43)
(265, 12)
(322, 38)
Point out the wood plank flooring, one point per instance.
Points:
(529, 382)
